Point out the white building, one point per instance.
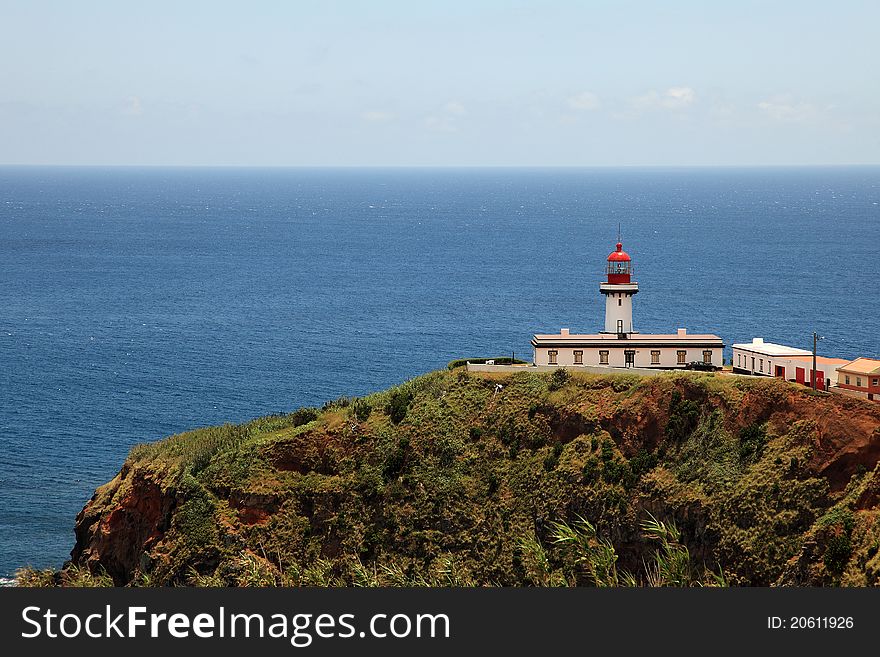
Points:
(761, 358)
(619, 345)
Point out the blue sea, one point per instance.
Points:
(136, 303)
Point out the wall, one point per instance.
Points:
(870, 391)
(552, 368)
(742, 362)
(616, 358)
(618, 305)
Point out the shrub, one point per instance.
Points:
(590, 469)
(607, 450)
(493, 482)
(340, 402)
(684, 415)
(838, 551)
(398, 405)
(33, 578)
(195, 518)
(644, 461)
(362, 410)
(303, 416)
(559, 379)
(616, 472)
(552, 459)
(396, 460)
(752, 440)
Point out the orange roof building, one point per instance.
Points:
(861, 375)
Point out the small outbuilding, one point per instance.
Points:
(861, 375)
(760, 358)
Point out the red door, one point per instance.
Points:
(820, 380)
(800, 375)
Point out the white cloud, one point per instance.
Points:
(782, 108)
(377, 116)
(446, 120)
(440, 124)
(133, 106)
(679, 97)
(455, 108)
(674, 98)
(584, 101)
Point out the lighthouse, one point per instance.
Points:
(618, 345)
(619, 290)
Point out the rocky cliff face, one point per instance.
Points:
(450, 479)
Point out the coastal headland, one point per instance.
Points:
(474, 478)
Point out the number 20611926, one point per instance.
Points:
(810, 623)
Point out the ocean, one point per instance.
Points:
(136, 303)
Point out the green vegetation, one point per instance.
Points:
(587, 556)
(72, 576)
(550, 479)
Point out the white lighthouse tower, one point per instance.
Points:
(619, 291)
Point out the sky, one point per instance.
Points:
(453, 83)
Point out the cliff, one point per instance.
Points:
(456, 478)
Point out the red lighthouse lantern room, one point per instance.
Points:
(619, 266)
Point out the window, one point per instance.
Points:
(620, 302)
(847, 379)
(682, 355)
(761, 364)
(655, 358)
(603, 358)
(738, 360)
(551, 356)
(859, 381)
(707, 356)
(753, 363)
(578, 357)
(875, 382)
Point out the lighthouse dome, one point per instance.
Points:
(619, 267)
(619, 255)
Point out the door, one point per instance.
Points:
(820, 380)
(800, 375)
(629, 358)
(780, 371)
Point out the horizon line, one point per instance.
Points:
(439, 166)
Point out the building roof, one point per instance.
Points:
(823, 360)
(862, 366)
(619, 255)
(574, 339)
(771, 349)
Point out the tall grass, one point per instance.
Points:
(670, 565)
(192, 448)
